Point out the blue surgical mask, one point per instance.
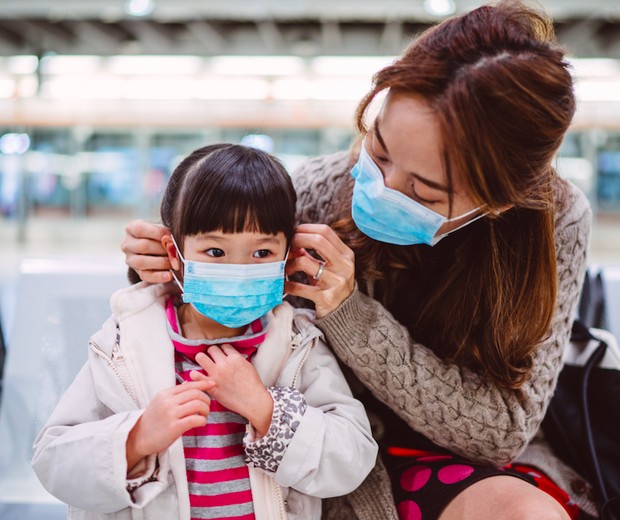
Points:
(388, 215)
(234, 295)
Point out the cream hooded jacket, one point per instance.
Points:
(80, 453)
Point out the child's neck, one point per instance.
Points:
(197, 326)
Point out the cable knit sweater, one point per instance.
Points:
(452, 406)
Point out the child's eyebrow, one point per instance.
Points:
(218, 237)
(267, 240)
(209, 236)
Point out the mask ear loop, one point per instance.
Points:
(284, 295)
(182, 260)
(444, 235)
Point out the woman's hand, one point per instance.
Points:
(236, 385)
(331, 284)
(169, 415)
(144, 252)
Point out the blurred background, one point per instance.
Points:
(100, 99)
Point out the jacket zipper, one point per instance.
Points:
(279, 500)
(119, 367)
(296, 342)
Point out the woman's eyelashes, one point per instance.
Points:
(418, 198)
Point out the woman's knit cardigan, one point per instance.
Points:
(452, 406)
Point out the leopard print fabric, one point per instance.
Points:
(289, 406)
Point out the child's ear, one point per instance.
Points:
(168, 245)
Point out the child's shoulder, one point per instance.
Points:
(140, 296)
(301, 320)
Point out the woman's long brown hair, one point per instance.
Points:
(500, 87)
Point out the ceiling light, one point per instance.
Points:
(139, 7)
(257, 65)
(260, 141)
(22, 64)
(364, 66)
(591, 90)
(74, 65)
(595, 67)
(439, 7)
(7, 88)
(155, 65)
(14, 143)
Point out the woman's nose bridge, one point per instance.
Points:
(394, 178)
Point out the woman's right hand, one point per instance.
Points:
(144, 252)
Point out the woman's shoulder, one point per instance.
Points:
(133, 299)
(323, 167)
(573, 222)
(573, 211)
(317, 182)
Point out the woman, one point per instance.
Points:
(452, 266)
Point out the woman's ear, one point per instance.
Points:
(173, 256)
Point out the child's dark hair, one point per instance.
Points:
(231, 188)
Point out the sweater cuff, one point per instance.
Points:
(342, 324)
(145, 471)
(289, 406)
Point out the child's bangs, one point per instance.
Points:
(237, 197)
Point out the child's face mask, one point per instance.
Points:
(233, 295)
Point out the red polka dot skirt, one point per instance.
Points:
(424, 482)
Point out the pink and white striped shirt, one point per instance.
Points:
(217, 474)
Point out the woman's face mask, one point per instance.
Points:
(388, 215)
(233, 295)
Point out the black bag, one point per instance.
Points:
(582, 423)
(592, 311)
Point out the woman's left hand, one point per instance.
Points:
(331, 281)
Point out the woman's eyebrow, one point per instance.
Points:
(379, 136)
(431, 184)
(417, 176)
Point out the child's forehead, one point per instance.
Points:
(243, 236)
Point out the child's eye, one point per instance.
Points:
(262, 253)
(215, 252)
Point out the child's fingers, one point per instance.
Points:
(207, 362)
(216, 353)
(229, 350)
(193, 407)
(194, 393)
(203, 385)
(192, 421)
(197, 376)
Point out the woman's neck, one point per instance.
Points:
(197, 326)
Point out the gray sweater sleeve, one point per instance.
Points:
(452, 406)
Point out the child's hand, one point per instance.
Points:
(237, 385)
(169, 415)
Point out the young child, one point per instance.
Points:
(260, 423)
